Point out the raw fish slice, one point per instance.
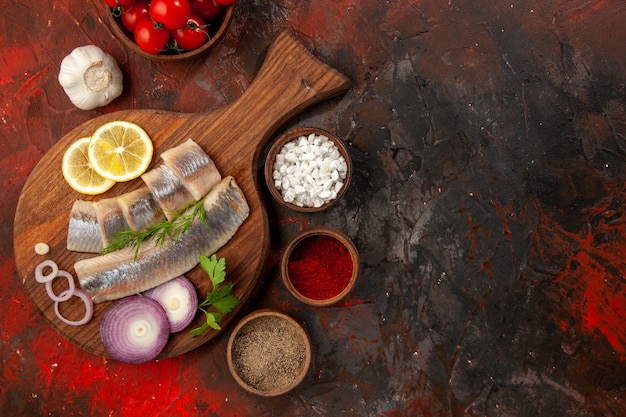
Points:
(110, 217)
(193, 166)
(83, 231)
(168, 190)
(120, 274)
(140, 209)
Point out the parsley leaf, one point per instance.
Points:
(224, 301)
(215, 269)
(219, 297)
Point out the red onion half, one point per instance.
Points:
(134, 329)
(179, 299)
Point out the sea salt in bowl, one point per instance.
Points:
(319, 266)
(268, 353)
(307, 169)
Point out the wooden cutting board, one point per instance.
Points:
(289, 80)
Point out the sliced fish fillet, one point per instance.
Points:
(186, 175)
(193, 166)
(83, 231)
(120, 274)
(110, 217)
(168, 190)
(140, 209)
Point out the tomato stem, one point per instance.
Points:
(117, 11)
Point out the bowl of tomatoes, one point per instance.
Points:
(170, 30)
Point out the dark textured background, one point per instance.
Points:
(488, 143)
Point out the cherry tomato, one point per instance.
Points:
(193, 35)
(138, 11)
(150, 36)
(121, 4)
(206, 9)
(172, 13)
(225, 2)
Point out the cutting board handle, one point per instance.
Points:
(291, 78)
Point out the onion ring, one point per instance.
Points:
(88, 307)
(39, 275)
(64, 295)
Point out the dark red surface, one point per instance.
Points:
(488, 140)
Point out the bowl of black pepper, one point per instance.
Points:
(268, 353)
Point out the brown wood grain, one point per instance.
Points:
(290, 80)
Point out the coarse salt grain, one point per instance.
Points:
(309, 171)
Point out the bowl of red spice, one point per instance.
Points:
(268, 353)
(320, 266)
(307, 169)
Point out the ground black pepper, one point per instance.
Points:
(269, 353)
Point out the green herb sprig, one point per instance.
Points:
(219, 297)
(160, 231)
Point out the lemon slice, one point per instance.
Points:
(79, 173)
(120, 151)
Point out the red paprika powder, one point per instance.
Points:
(320, 267)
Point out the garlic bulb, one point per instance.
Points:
(90, 77)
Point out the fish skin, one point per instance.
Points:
(168, 190)
(120, 274)
(83, 231)
(187, 175)
(110, 217)
(193, 166)
(140, 209)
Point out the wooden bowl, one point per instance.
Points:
(337, 290)
(293, 135)
(217, 33)
(268, 353)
